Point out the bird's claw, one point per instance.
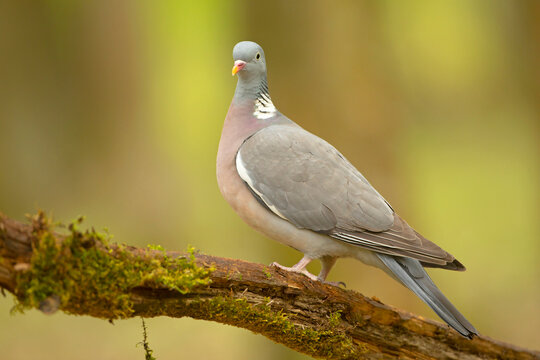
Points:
(275, 264)
(296, 270)
(334, 283)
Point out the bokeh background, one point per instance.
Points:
(113, 110)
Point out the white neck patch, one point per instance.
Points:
(264, 108)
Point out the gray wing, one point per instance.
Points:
(306, 181)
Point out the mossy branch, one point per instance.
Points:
(83, 273)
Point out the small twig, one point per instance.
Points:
(147, 351)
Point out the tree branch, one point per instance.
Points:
(81, 273)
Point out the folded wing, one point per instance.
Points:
(306, 181)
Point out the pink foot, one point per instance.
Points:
(300, 270)
(296, 270)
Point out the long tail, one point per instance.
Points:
(411, 273)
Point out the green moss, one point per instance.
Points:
(334, 319)
(327, 342)
(83, 271)
(267, 274)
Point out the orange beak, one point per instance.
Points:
(238, 65)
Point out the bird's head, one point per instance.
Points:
(249, 61)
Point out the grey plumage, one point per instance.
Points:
(298, 189)
(306, 181)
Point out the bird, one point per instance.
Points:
(296, 188)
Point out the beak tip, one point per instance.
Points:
(238, 65)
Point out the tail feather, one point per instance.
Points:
(411, 273)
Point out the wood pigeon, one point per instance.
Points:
(298, 189)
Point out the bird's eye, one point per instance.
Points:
(258, 56)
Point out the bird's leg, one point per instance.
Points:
(300, 267)
(327, 263)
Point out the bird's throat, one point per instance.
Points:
(257, 95)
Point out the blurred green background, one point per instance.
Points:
(113, 110)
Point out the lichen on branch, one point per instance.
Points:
(327, 340)
(81, 271)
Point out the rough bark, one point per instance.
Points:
(314, 318)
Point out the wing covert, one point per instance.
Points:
(306, 181)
